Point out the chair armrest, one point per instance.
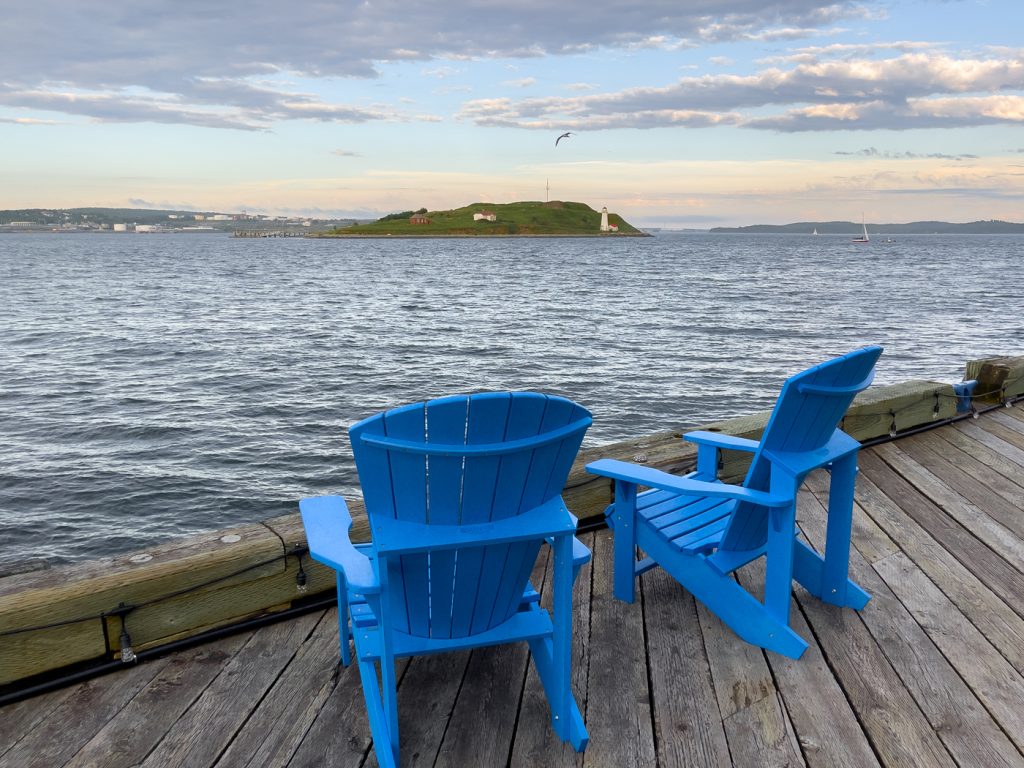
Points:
(655, 478)
(401, 537)
(327, 522)
(708, 446)
(580, 551)
(718, 440)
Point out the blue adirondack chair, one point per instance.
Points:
(460, 494)
(700, 530)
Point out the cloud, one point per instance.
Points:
(344, 153)
(162, 205)
(27, 121)
(912, 90)
(524, 82)
(207, 64)
(905, 155)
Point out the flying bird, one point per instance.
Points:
(565, 135)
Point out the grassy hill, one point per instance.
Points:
(526, 218)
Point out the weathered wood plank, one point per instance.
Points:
(276, 728)
(17, 720)
(952, 708)
(898, 730)
(994, 571)
(340, 733)
(535, 741)
(757, 725)
(88, 589)
(975, 431)
(997, 620)
(998, 685)
(686, 716)
(1005, 427)
(984, 525)
(984, 470)
(489, 700)
(619, 705)
(77, 719)
(997, 377)
(130, 735)
(826, 726)
(206, 729)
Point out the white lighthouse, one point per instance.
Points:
(604, 220)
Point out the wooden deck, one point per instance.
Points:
(931, 673)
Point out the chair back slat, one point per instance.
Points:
(803, 419)
(463, 591)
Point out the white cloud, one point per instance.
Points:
(197, 62)
(915, 89)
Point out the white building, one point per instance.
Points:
(481, 215)
(604, 220)
(120, 227)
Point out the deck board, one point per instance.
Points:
(930, 673)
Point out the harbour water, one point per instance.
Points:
(154, 386)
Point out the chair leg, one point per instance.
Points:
(624, 519)
(343, 622)
(778, 579)
(376, 706)
(552, 656)
(836, 585)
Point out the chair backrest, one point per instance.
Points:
(458, 461)
(806, 414)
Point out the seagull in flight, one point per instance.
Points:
(565, 135)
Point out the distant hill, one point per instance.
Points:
(525, 218)
(992, 227)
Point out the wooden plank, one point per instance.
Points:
(975, 464)
(898, 730)
(619, 709)
(16, 720)
(976, 431)
(426, 697)
(1003, 426)
(826, 726)
(1005, 580)
(78, 718)
(870, 540)
(340, 733)
(489, 699)
(953, 710)
(995, 682)
(200, 736)
(535, 742)
(997, 621)
(1011, 418)
(91, 588)
(129, 736)
(756, 724)
(687, 720)
(1001, 540)
(913, 403)
(276, 728)
(997, 377)
(953, 467)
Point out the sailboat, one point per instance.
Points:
(815, 231)
(863, 238)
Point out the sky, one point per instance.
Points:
(683, 113)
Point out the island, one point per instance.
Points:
(846, 228)
(555, 218)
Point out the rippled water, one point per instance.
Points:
(154, 386)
